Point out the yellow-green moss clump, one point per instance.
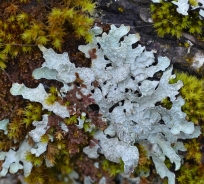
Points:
(192, 174)
(167, 21)
(193, 94)
(192, 169)
(22, 27)
(112, 168)
(53, 96)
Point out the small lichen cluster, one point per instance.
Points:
(48, 23)
(193, 93)
(167, 20)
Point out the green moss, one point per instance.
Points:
(167, 21)
(45, 24)
(112, 168)
(51, 99)
(53, 96)
(36, 161)
(71, 120)
(166, 103)
(191, 173)
(193, 2)
(32, 112)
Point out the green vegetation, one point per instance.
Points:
(22, 28)
(167, 21)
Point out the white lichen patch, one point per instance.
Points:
(182, 6)
(198, 60)
(4, 125)
(128, 95)
(131, 83)
(40, 130)
(15, 160)
(39, 95)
